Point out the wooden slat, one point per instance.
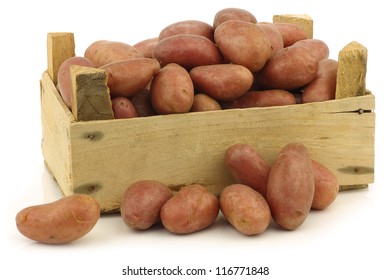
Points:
(56, 147)
(351, 73)
(91, 95)
(189, 148)
(60, 46)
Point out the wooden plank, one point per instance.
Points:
(352, 68)
(56, 147)
(303, 21)
(60, 46)
(91, 95)
(188, 148)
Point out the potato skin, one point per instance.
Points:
(187, 50)
(248, 167)
(172, 90)
(245, 209)
(127, 77)
(290, 187)
(223, 82)
(274, 35)
(233, 14)
(142, 202)
(203, 102)
(326, 186)
(290, 68)
(61, 221)
(317, 47)
(123, 108)
(323, 87)
(192, 209)
(63, 77)
(262, 98)
(143, 104)
(103, 52)
(196, 27)
(146, 46)
(291, 33)
(243, 43)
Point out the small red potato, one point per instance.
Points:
(203, 102)
(245, 209)
(192, 209)
(187, 50)
(172, 90)
(63, 77)
(103, 52)
(127, 77)
(262, 98)
(248, 167)
(223, 82)
(146, 46)
(290, 187)
(61, 221)
(326, 186)
(143, 104)
(123, 108)
(243, 43)
(323, 87)
(196, 27)
(291, 33)
(233, 14)
(290, 68)
(274, 35)
(142, 202)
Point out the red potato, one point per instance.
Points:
(143, 104)
(142, 202)
(127, 77)
(146, 46)
(262, 98)
(248, 167)
(223, 82)
(290, 68)
(326, 186)
(203, 102)
(123, 108)
(172, 90)
(243, 43)
(187, 50)
(290, 188)
(63, 77)
(195, 27)
(245, 209)
(274, 35)
(61, 221)
(233, 14)
(317, 47)
(192, 209)
(103, 52)
(323, 87)
(291, 33)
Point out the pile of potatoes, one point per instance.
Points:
(284, 192)
(191, 66)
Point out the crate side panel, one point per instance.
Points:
(56, 119)
(107, 156)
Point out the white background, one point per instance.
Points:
(349, 239)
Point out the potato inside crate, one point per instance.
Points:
(102, 158)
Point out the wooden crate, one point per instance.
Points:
(102, 158)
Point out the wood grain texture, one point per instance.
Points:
(351, 73)
(91, 95)
(60, 46)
